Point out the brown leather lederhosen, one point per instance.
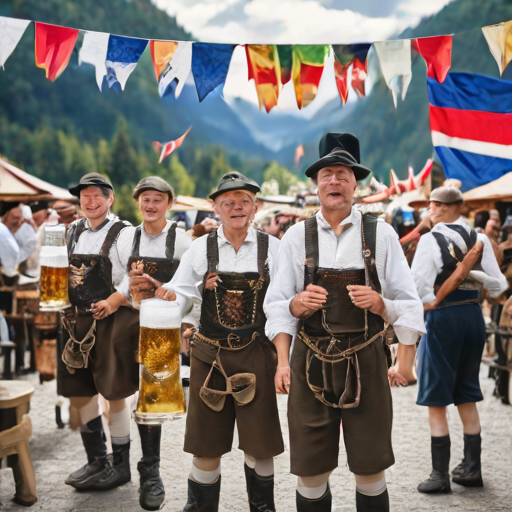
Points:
(109, 363)
(340, 350)
(232, 333)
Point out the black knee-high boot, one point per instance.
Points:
(379, 503)
(439, 480)
(323, 504)
(116, 471)
(203, 497)
(152, 492)
(471, 474)
(93, 438)
(260, 490)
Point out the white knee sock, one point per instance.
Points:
(373, 489)
(311, 493)
(204, 477)
(263, 467)
(119, 423)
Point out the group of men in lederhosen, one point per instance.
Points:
(333, 284)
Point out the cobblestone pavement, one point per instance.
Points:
(56, 453)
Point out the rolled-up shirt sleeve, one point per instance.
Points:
(403, 307)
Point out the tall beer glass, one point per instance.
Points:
(53, 283)
(160, 393)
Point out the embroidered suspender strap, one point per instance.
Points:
(212, 253)
(370, 242)
(262, 239)
(136, 242)
(469, 238)
(311, 242)
(170, 242)
(443, 245)
(111, 237)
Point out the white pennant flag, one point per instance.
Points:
(395, 63)
(94, 51)
(11, 31)
(178, 69)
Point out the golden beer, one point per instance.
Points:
(160, 394)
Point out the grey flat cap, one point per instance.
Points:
(446, 195)
(93, 179)
(153, 183)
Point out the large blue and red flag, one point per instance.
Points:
(471, 124)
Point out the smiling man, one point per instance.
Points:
(340, 277)
(232, 363)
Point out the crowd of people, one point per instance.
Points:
(290, 304)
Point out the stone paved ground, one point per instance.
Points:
(58, 452)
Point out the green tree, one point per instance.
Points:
(125, 206)
(103, 157)
(282, 175)
(179, 178)
(124, 166)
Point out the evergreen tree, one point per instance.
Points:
(282, 175)
(124, 166)
(179, 178)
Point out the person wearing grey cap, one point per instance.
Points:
(341, 277)
(99, 356)
(232, 363)
(449, 354)
(151, 254)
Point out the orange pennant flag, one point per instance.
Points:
(169, 147)
(54, 45)
(161, 53)
(299, 153)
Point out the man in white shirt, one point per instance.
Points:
(339, 278)
(449, 355)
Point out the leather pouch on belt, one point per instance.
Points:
(205, 352)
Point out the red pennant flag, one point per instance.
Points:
(359, 76)
(437, 52)
(169, 147)
(340, 72)
(54, 45)
(299, 153)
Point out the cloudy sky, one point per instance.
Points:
(294, 22)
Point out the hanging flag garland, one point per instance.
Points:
(11, 31)
(437, 52)
(499, 39)
(169, 147)
(285, 54)
(54, 45)
(175, 73)
(264, 69)
(94, 51)
(123, 53)
(210, 64)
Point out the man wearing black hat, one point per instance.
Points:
(232, 363)
(151, 254)
(340, 278)
(449, 355)
(99, 356)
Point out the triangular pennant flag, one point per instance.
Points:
(169, 147)
(343, 58)
(94, 51)
(286, 61)
(308, 66)
(263, 65)
(437, 52)
(210, 64)
(299, 153)
(395, 63)
(359, 75)
(499, 39)
(11, 31)
(54, 45)
(123, 53)
(171, 66)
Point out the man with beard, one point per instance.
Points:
(99, 356)
(232, 362)
(151, 253)
(340, 277)
(449, 355)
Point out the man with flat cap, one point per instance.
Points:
(449, 354)
(151, 254)
(232, 363)
(340, 278)
(99, 356)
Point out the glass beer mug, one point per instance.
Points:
(160, 393)
(53, 283)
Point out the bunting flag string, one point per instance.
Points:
(285, 54)
(169, 147)
(123, 53)
(54, 45)
(176, 71)
(499, 39)
(94, 51)
(264, 69)
(11, 31)
(437, 52)
(344, 57)
(307, 68)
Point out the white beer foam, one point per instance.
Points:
(160, 314)
(55, 257)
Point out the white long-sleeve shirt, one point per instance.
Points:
(9, 251)
(428, 264)
(26, 238)
(187, 283)
(403, 308)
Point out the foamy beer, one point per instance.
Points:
(160, 393)
(53, 283)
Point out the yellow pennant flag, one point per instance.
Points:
(499, 39)
(264, 69)
(161, 53)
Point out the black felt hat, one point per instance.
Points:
(235, 181)
(5, 206)
(93, 179)
(41, 204)
(339, 149)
